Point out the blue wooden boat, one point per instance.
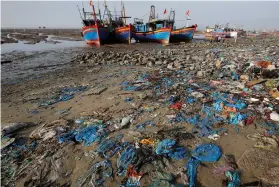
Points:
(156, 32)
(93, 31)
(182, 34)
(123, 34)
(94, 35)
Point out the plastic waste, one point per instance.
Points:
(274, 116)
(65, 137)
(207, 153)
(178, 153)
(176, 106)
(201, 153)
(99, 172)
(191, 167)
(134, 177)
(233, 179)
(165, 146)
(90, 134)
(128, 99)
(125, 121)
(147, 141)
(221, 170)
(127, 157)
(143, 125)
(110, 146)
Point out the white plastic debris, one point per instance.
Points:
(197, 94)
(214, 137)
(125, 121)
(274, 116)
(254, 99)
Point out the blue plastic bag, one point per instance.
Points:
(178, 153)
(165, 146)
(191, 167)
(234, 179)
(207, 152)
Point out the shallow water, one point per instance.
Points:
(41, 46)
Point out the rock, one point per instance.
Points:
(170, 66)
(159, 62)
(82, 62)
(192, 68)
(126, 62)
(199, 74)
(178, 65)
(150, 64)
(196, 58)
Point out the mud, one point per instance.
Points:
(33, 36)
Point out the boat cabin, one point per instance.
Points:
(150, 26)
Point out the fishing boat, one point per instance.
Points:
(176, 35)
(150, 32)
(123, 34)
(119, 30)
(183, 34)
(94, 31)
(122, 30)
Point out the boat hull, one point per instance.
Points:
(160, 36)
(123, 34)
(91, 36)
(183, 34)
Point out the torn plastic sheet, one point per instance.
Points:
(132, 88)
(165, 146)
(167, 82)
(190, 99)
(236, 118)
(143, 125)
(134, 177)
(74, 90)
(176, 106)
(233, 179)
(191, 167)
(271, 127)
(201, 153)
(65, 137)
(207, 152)
(90, 134)
(99, 172)
(127, 157)
(178, 153)
(110, 146)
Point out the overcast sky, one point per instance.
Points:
(61, 14)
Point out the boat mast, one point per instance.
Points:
(79, 13)
(123, 13)
(152, 13)
(95, 19)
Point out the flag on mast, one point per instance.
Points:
(165, 11)
(188, 12)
